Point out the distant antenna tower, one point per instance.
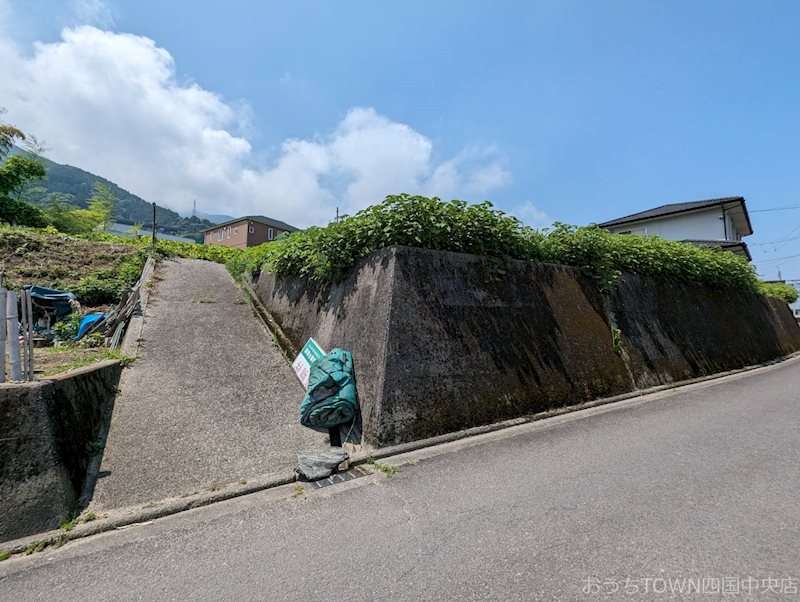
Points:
(194, 208)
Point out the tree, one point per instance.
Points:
(67, 217)
(8, 134)
(102, 203)
(16, 172)
(19, 213)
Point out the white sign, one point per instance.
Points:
(309, 354)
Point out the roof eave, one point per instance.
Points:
(623, 221)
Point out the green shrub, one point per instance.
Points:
(67, 329)
(170, 248)
(93, 290)
(327, 253)
(779, 290)
(219, 254)
(605, 256)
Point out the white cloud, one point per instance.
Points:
(113, 104)
(531, 215)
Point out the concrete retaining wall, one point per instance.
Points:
(47, 429)
(443, 341)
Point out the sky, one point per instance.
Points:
(571, 111)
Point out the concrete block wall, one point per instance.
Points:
(46, 431)
(443, 341)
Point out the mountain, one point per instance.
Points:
(215, 218)
(128, 209)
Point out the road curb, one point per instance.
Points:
(125, 517)
(385, 452)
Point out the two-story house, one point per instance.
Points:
(711, 223)
(247, 231)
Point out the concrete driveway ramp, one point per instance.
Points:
(210, 399)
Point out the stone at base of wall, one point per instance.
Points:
(445, 341)
(48, 432)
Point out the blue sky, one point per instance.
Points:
(570, 111)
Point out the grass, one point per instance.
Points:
(5, 555)
(205, 300)
(386, 469)
(58, 540)
(55, 360)
(37, 546)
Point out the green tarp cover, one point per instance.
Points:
(331, 399)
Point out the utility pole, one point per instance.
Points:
(154, 223)
(194, 208)
(337, 214)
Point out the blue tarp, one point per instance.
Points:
(86, 323)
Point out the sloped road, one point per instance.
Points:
(210, 400)
(644, 499)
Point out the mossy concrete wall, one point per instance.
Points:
(48, 430)
(443, 341)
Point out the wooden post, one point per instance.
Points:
(12, 331)
(3, 296)
(154, 223)
(29, 300)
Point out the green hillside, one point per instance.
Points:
(129, 208)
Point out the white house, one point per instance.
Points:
(711, 223)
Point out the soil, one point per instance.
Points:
(53, 360)
(54, 260)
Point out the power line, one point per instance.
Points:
(777, 259)
(784, 208)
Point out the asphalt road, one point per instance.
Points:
(693, 488)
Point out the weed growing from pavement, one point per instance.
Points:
(299, 490)
(36, 546)
(5, 555)
(69, 525)
(386, 469)
(89, 517)
(413, 461)
(205, 300)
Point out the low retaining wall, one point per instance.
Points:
(47, 432)
(443, 341)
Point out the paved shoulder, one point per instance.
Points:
(210, 400)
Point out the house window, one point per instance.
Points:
(270, 235)
(229, 232)
(252, 229)
(219, 234)
(235, 231)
